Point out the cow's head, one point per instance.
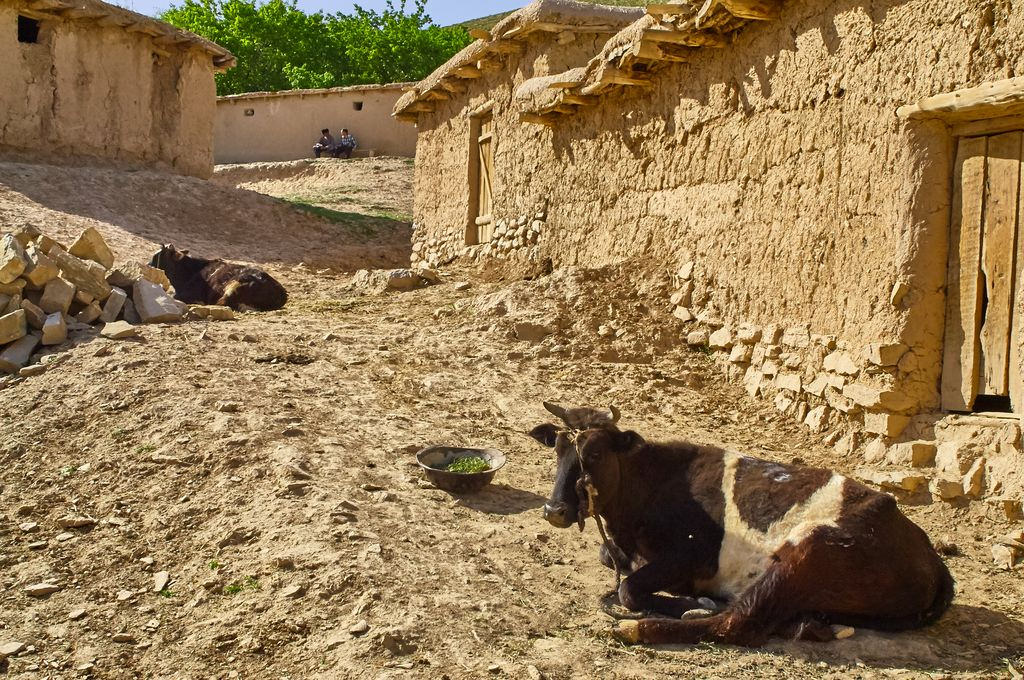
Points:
(167, 256)
(589, 436)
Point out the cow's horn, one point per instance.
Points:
(555, 409)
(615, 414)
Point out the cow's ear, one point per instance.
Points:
(627, 441)
(546, 434)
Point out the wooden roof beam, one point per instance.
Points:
(50, 5)
(480, 34)
(578, 100)
(114, 20)
(146, 28)
(549, 27)
(648, 49)
(453, 86)
(467, 72)
(756, 10)
(687, 38)
(537, 119)
(39, 16)
(84, 14)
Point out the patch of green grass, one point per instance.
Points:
(68, 470)
(248, 583)
(703, 349)
(166, 593)
(120, 434)
(145, 448)
(214, 565)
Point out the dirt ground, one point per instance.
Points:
(267, 464)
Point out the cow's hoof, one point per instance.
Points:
(697, 614)
(627, 632)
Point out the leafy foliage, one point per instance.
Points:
(488, 22)
(280, 47)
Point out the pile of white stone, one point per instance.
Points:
(48, 290)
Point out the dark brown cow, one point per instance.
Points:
(216, 282)
(791, 549)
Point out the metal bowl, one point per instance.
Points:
(434, 458)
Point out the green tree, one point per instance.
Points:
(280, 47)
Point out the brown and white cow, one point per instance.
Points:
(791, 549)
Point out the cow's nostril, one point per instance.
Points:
(557, 514)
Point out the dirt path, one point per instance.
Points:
(267, 466)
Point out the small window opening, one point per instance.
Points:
(250, 112)
(28, 30)
(358, 106)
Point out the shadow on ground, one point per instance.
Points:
(501, 499)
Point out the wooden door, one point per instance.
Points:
(985, 288)
(485, 174)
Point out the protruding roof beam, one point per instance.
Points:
(688, 38)
(757, 10)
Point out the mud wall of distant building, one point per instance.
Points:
(775, 169)
(84, 91)
(285, 127)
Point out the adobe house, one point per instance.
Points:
(283, 126)
(835, 184)
(81, 79)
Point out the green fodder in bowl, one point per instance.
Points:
(468, 465)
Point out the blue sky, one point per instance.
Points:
(443, 12)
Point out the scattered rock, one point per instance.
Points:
(361, 628)
(11, 648)
(124, 637)
(75, 522)
(76, 614)
(155, 305)
(160, 581)
(119, 330)
(91, 246)
(227, 406)
(13, 326)
(55, 329)
(41, 589)
(294, 591)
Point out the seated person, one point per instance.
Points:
(346, 145)
(325, 143)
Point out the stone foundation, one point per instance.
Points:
(515, 237)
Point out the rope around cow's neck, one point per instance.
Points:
(585, 488)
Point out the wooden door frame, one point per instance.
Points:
(473, 218)
(956, 393)
(987, 109)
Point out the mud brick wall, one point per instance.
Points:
(777, 167)
(89, 91)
